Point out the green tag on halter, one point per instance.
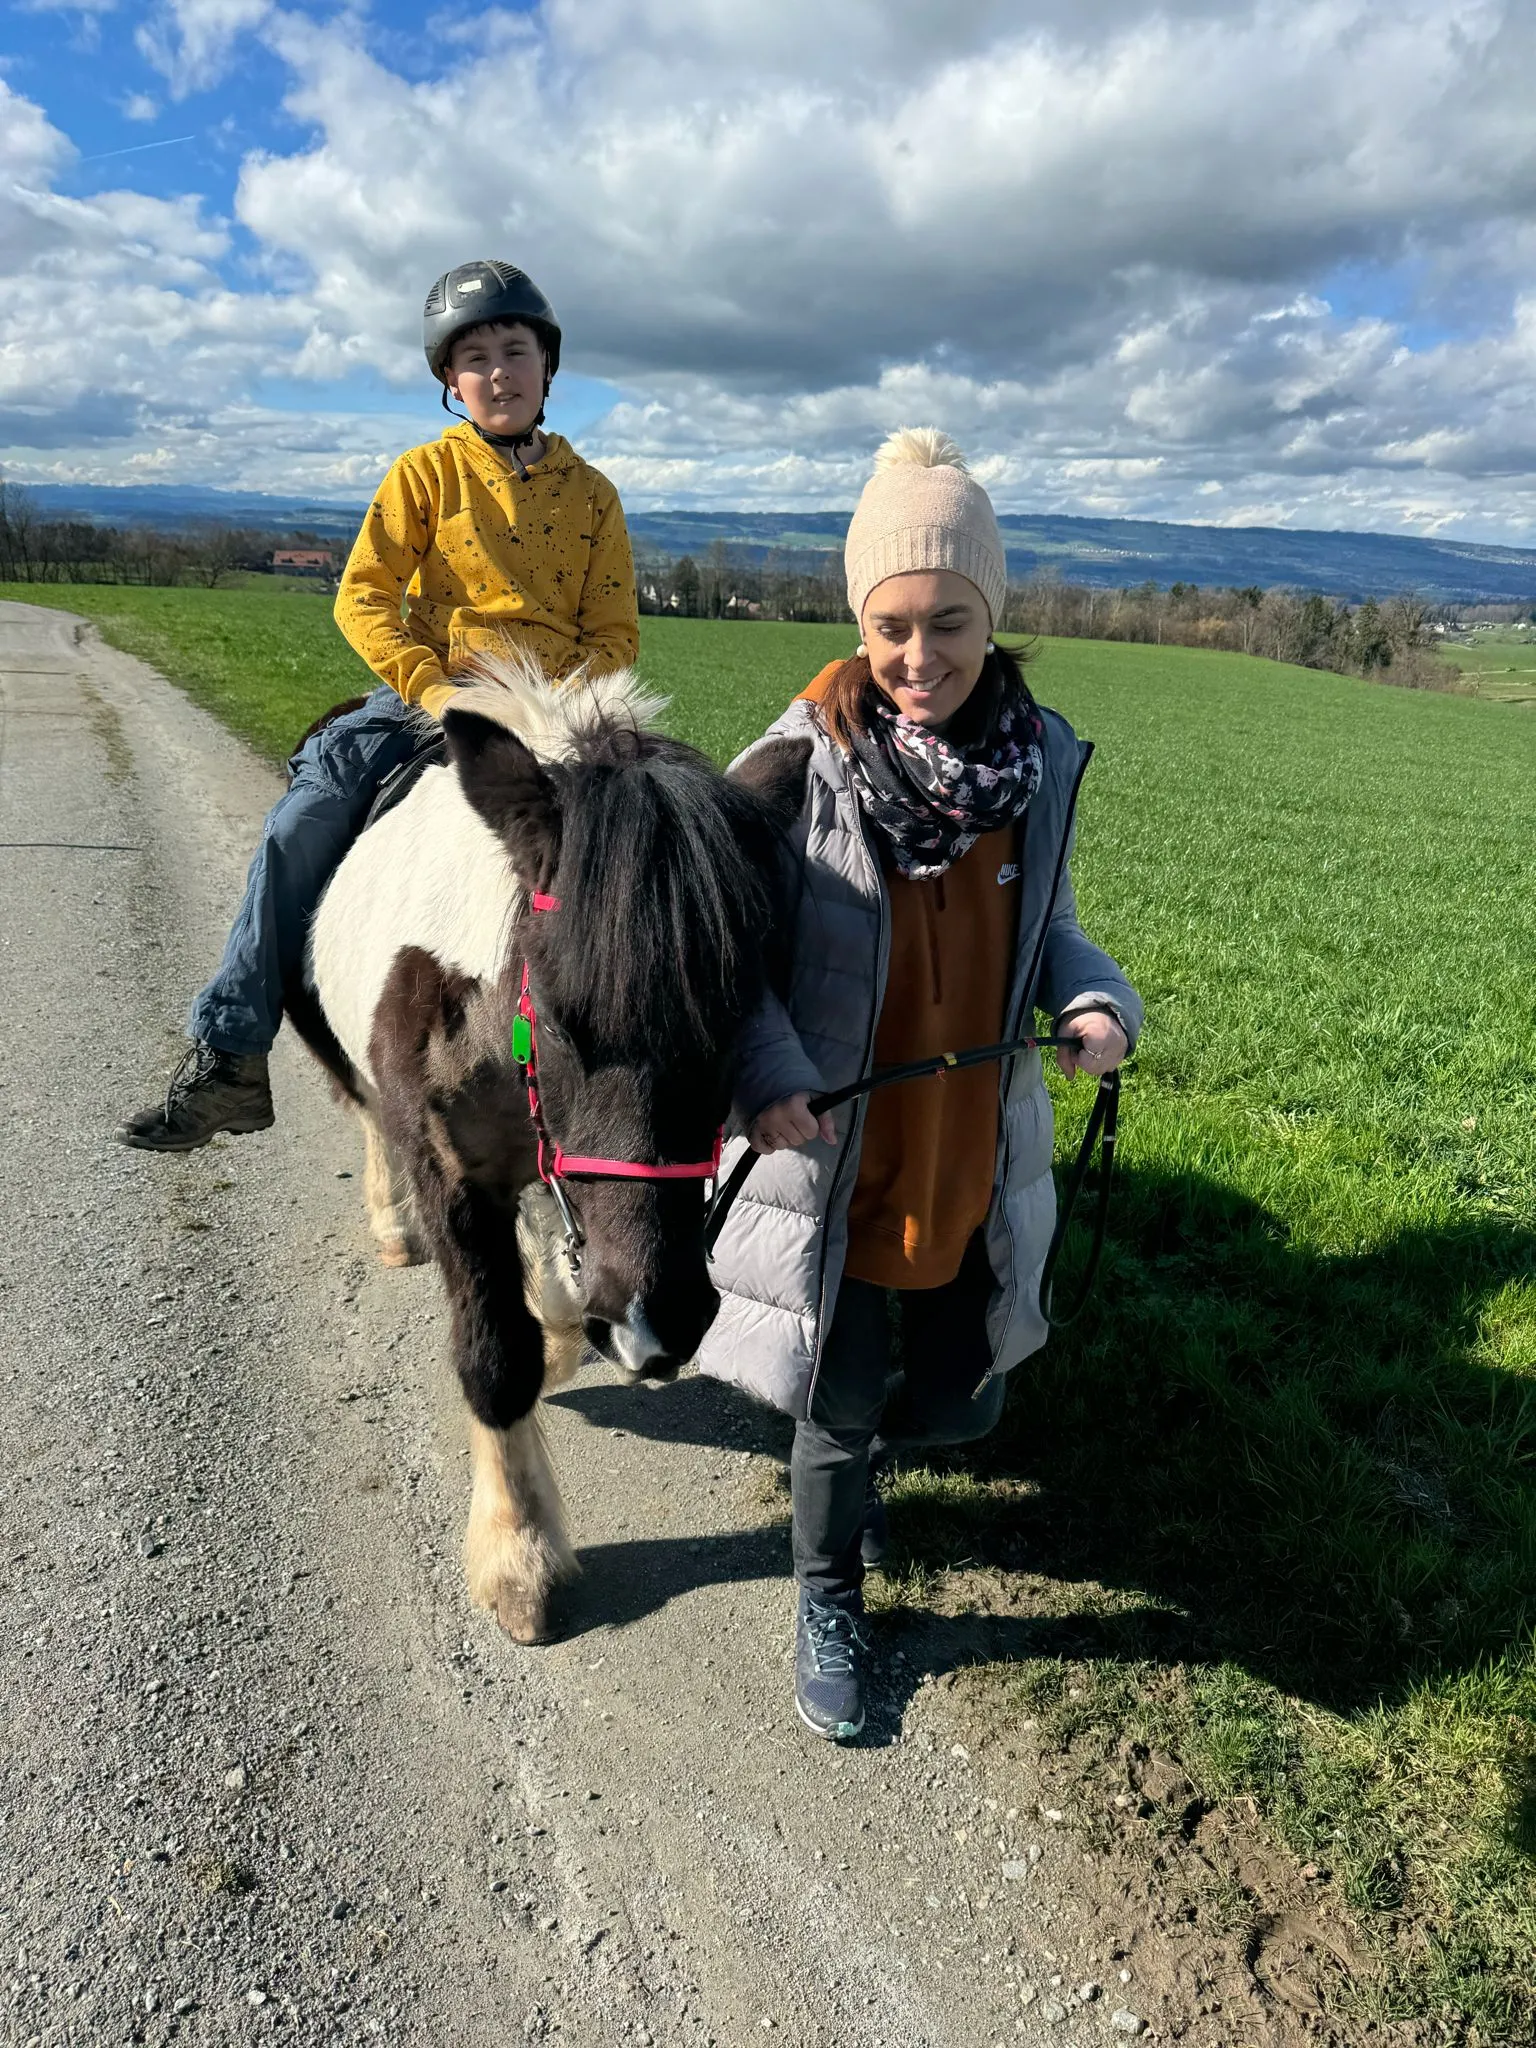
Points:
(522, 1040)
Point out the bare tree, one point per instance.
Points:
(18, 533)
(1406, 615)
(211, 555)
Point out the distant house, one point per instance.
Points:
(303, 561)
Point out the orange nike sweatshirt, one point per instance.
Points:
(929, 1152)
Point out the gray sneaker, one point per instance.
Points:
(830, 1648)
(211, 1091)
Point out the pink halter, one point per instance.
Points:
(525, 1050)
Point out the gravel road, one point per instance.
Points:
(265, 1774)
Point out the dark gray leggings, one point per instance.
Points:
(854, 1408)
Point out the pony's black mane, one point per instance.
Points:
(666, 881)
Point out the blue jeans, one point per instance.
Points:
(336, 776)
(941, 1397)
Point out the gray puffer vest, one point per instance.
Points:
(779, 1260)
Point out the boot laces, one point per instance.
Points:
(835, 1638)
(197, 1065)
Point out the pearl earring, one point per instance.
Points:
(991, 647)
(861, 648)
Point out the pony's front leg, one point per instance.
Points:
(459, 1119)
(515, 1547)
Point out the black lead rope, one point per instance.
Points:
(1102, 1122)
(1101, 1132)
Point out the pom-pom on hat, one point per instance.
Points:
(922, 509)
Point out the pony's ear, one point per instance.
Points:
(776, 773)
(505, 784)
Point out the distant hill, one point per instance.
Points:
(1105, 552)
(172, 506)
(1114, 552)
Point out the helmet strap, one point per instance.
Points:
(508, 444)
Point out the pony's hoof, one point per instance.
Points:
(522, 1615)
(401, 1251)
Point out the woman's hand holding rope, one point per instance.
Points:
(784, 1125)
(1103, 1045)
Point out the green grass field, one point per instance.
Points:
(1293, 1441)
(1499, 666)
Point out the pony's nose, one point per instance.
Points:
(634, 1346)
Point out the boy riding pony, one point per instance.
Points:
(496, 531)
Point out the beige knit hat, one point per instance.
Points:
(922, 509)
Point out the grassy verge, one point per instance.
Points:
(267, 660)
(1271, 1505)
(1294, 1440)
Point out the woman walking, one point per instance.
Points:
(933, 909)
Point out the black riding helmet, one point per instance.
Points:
(476, 293)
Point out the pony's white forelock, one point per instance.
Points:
(431, 873)
(510, 688)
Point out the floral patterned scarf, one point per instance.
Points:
(932, 796)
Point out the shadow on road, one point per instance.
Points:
(1319, 1467)
(693, 1410)
(621, 1583)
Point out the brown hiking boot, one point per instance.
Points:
(211, 1091)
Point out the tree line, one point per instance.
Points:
(1390, 637)
(38, 550)
(1370, 637)
(729, 583)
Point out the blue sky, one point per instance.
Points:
(178, 140)
(132, 125)
(1216, 259)
(85, 69)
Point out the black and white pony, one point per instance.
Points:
(575, 876)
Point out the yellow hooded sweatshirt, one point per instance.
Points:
(473, 555)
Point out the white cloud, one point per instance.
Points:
(31, 149)
(1117, 247)
(122, 331)
(139, 106)
(192, 41)
(697, 202)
